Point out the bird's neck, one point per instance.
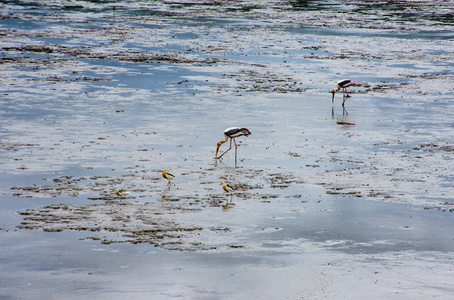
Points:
(226, 138)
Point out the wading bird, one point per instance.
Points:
(232, 133)
(120, 192)
(343, 84)
(167, 176)
(227, 187)
(229, 190)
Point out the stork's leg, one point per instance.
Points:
(235, 150)
(226, 150)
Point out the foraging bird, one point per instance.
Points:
(167, 176)
(120, 192)
(232, 133)
(343, 84)
(229, 190)
(227, 187)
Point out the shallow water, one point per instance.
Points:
(329, 203)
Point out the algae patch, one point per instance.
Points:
(135, 223)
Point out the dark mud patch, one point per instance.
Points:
(74, 186)
(148, 184)
(260, 79)
(431, 147)
(15, 146)
(134, 223)
(443, 207)
(282, 180)
(101, 53)
(124, 219)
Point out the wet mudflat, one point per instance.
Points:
(328, 203)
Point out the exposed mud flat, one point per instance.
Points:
(98, 96)
(175, 198)
(135, 223)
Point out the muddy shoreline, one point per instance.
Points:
(98, 96)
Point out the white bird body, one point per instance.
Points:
(234, 132)
(344, 83)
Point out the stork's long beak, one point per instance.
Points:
(333, 92)
(217, 149)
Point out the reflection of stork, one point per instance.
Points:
(167, 176)
(343, 84)
(232, 133)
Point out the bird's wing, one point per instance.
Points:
(232, 131)
(344, 82)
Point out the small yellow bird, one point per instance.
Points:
(120, 192)
(167, 176)
(227, 187)
(229, 190)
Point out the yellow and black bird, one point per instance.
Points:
(121, 192)
(227, 187)
(229, 190)
(167, 176)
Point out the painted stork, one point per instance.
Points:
(232, 133)
(343, 84)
